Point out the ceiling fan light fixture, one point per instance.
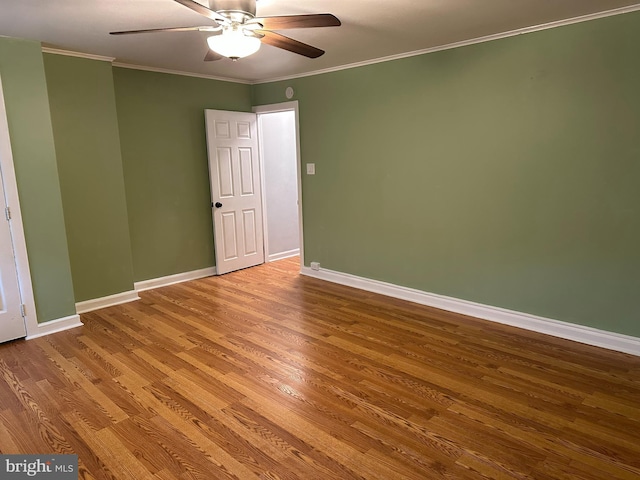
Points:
(233, 43)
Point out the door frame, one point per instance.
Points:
(291, 106)
(16, 225)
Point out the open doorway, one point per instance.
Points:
(280, 160)
(255, 198)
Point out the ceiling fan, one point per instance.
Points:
(238, 33)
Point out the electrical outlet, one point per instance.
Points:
(311, 168)
(315, 266)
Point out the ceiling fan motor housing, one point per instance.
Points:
(234, 8)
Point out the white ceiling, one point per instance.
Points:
(370, 29)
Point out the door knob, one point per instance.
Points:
(218, 205)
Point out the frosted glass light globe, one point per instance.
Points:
(234, 44)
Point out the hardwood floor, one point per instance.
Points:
(263, 373)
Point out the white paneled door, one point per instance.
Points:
(11, 321)
(234, 172)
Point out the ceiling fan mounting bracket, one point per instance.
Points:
(237, 10)
(239, 27)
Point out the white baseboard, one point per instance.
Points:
(569, 331)
(132, 295)
(282, 255)
(54, 326)
(73, 321)
(171, 279)
(109, 301)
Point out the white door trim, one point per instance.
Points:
(274, 108)
(17, 228)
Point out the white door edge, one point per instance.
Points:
(286, 107)
(17, 228)
(265, 211)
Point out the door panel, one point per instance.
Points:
(222, 129)
(250, 234)
(234, 171)
(244, 130)
(225, 172)
(229, 235)
(246, 171)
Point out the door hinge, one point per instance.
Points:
(23, 310)
(7, 213)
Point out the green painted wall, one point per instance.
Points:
(505, 173)
(85, 126)
(25, 90)
(162, 134)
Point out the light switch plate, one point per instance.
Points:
(311, 168)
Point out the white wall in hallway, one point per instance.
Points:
(278, 145)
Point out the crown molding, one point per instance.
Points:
(464, 43)
(112, 60)
(178, 72)
(69, 53)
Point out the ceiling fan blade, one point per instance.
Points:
(212, 56)
(151, 30)
(276, 40)
(202, 10)
(298, 21)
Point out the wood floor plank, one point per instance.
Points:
(266, 374)
(7, 443)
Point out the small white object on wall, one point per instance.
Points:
(289, 93)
